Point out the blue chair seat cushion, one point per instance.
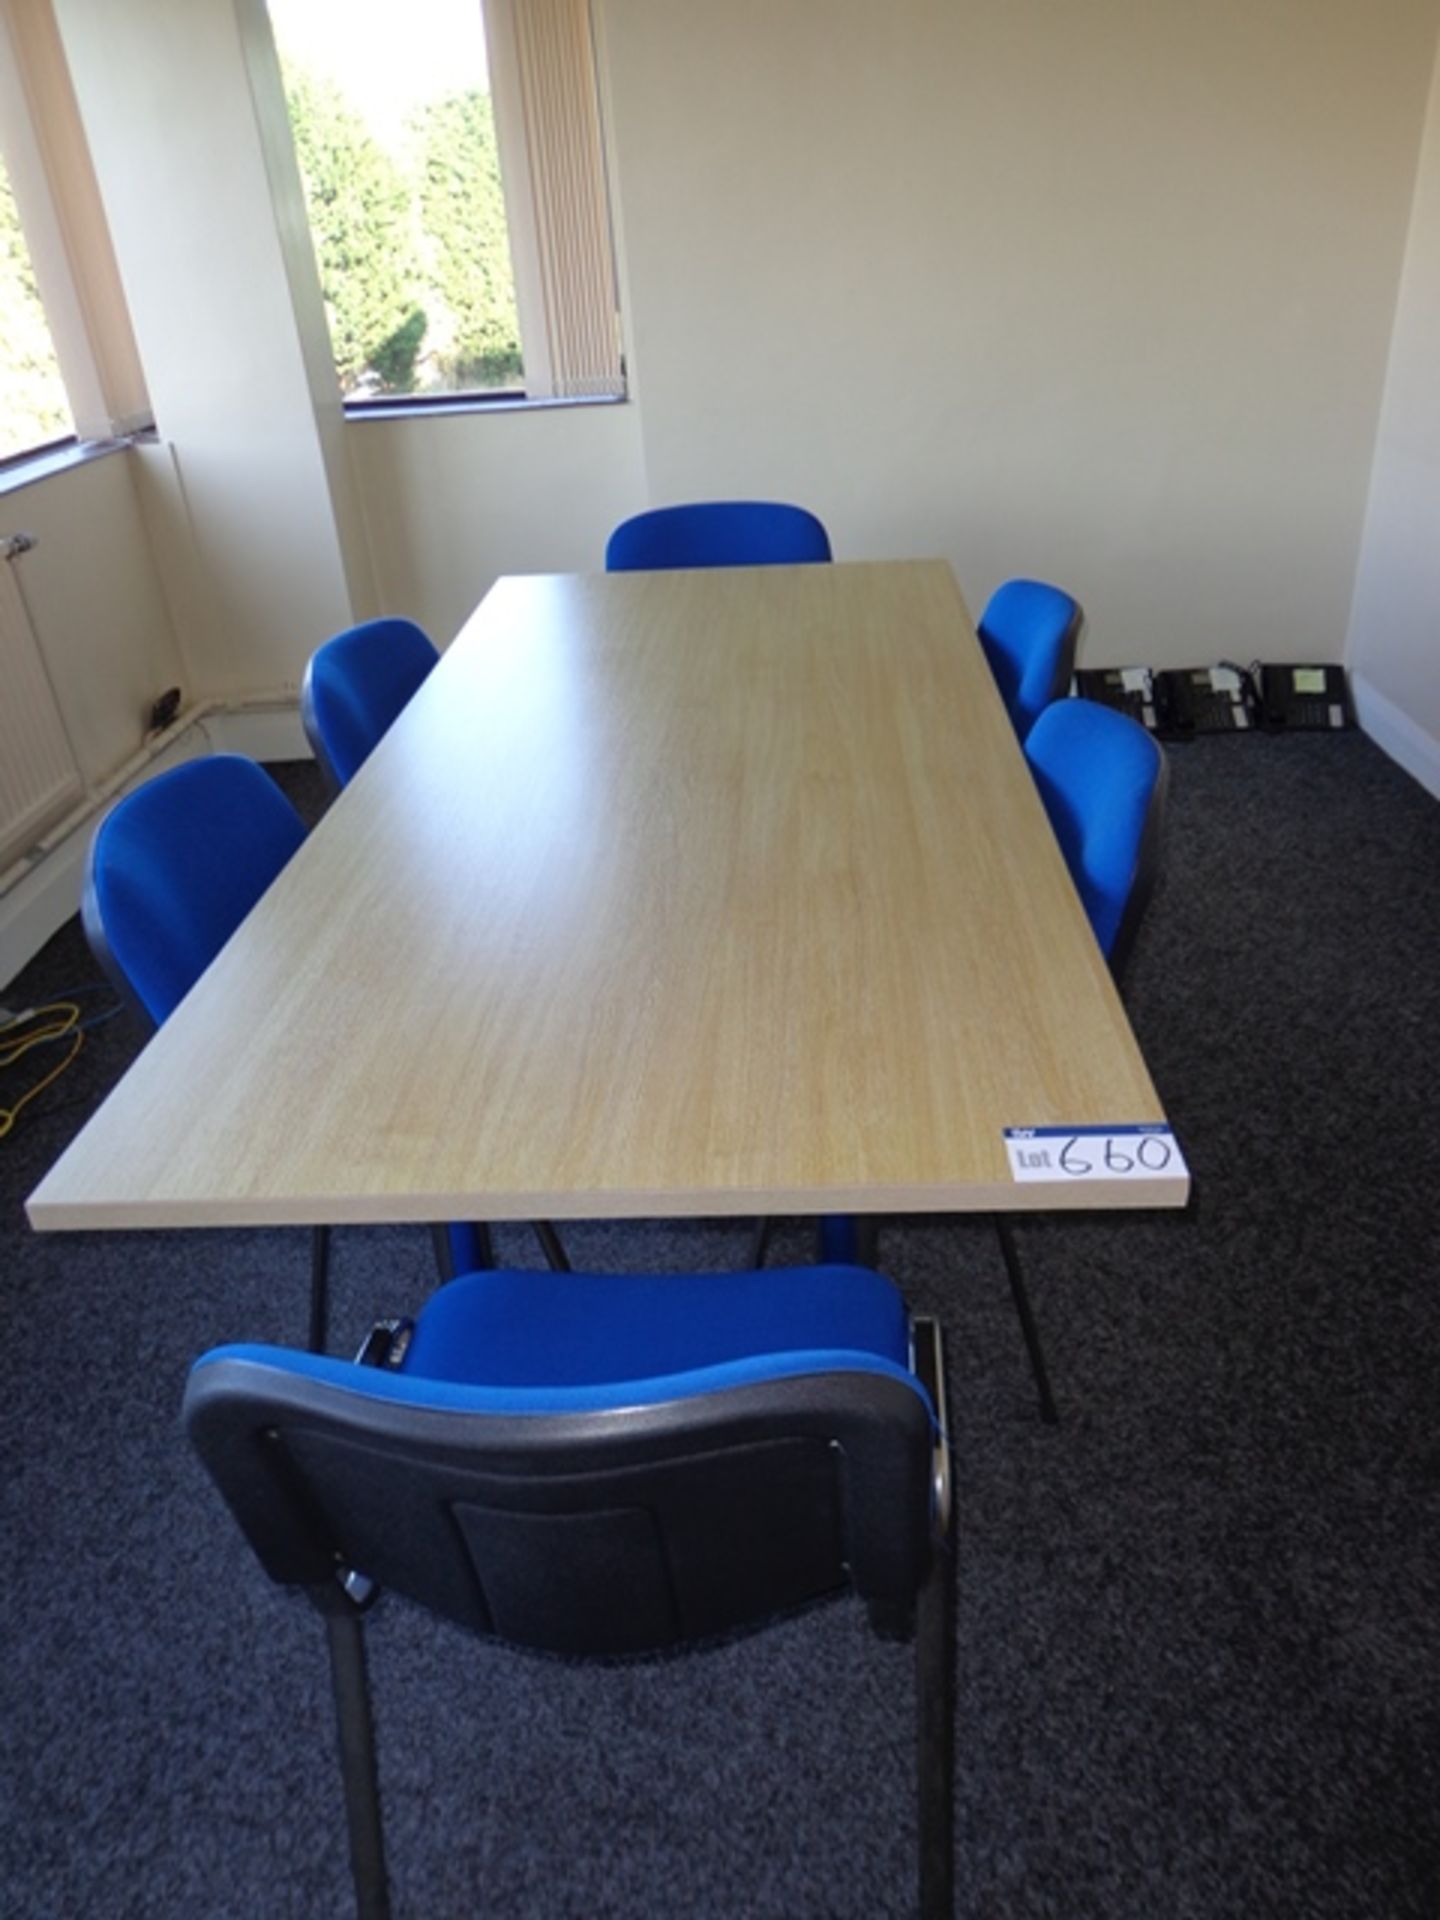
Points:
(575, 1329)
(549, 1343)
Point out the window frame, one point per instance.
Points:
(515, 135)
(47, 161)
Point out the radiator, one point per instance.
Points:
(39, 779)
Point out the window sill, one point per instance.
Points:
(26, 468)
(419, 407)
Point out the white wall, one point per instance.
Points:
(1395, 626)
(168, 93)
(1103, 293)
(1099, 292)
(102, 619)
(452, 501)
(97, 605)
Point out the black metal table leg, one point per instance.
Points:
(319, 1288)
(1048, 1411)
(551, 1247)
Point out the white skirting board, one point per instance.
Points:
(1395, 733)
(40, 903)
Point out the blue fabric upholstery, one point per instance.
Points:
(1099, 773)
(465, 1247)
(1028, 632)
(355, 685)
(552, 1343)
(175, 866)
(566, 1328)
(717, 533)
(465, 1250)
(839, 1239)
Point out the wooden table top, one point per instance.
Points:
(721, 892)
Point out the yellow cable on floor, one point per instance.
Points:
(43, 1026)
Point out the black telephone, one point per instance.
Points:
(1180, 702)
(1218, 699)
(1131, 689)
(1304, 697)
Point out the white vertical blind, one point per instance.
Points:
(547, 105)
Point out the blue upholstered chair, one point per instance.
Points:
(1103, 779)
(601, 1465)
(717, 533)
(1029, 631)
(355, 686)
(173, 869)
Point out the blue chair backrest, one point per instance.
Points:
(173, 869)
(1103, 780)
(1028, 631)
(566, 1510)
(354, 687)
(717, 533)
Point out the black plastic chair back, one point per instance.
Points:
(618, 1531)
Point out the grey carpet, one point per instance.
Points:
(1198, 1641)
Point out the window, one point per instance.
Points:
(454, 180)
(68, 364)
(34, 409)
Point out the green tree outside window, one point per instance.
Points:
(34, 408)
(412, 247)
(359, 205)
(467, 245)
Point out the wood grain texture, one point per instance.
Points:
(695, 892)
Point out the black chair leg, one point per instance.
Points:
(319, 1288)
(760, 1244)
(1031, 1332)
(935, 1722)
(355, 1730)
(554, 1252)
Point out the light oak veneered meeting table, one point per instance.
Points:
(720, 892)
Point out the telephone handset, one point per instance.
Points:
(1304, 697)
